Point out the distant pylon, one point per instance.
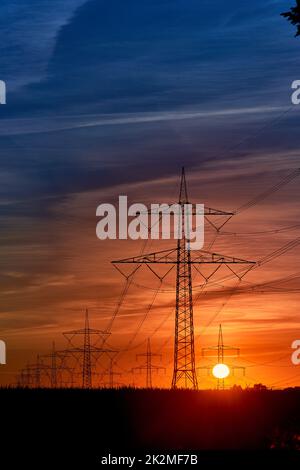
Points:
(87, 364)
(221, 353)
(184, 372)
(56, 367)
(23, 378)
(34, 373)
(87, 351)
(148, 366)
(111, 375)
(53, 367)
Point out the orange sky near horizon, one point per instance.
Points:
(55, 269)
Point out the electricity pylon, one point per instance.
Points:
(184, 350)
(53, 367)
(34, 373)
(23, 378)
(111, 374)
(221, 353)
(56, 366)
(148, 366)
(88, 352)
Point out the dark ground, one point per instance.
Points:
(65, 427)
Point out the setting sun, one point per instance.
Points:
(221, 371)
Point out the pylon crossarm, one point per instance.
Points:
(220, 226)
(146, 355)
(233, 368)
(155, 274)
(170, 257)
(240, 274)
(157, 368)
(225, 348)
(127, 276)
(145, 367)
(211, 211)
(207, 278)
(92, 349)
(163, 256)
(139, 368)
(232, 348)
(207, 257)
(90, 331)
(207, 368)
(205, 211)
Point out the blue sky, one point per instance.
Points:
(100, 81)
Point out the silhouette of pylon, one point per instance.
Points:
(221, 351)
(184, 372)
(56, 366)
(111, 376)
(87, 351)
(148, 366)
(34, 373)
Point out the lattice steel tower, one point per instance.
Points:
(184, 373)
(148, 366)
(184, 351)
(87, 351)
(221, 353)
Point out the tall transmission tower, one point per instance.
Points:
(148, 366)
(184, 372)
(88, 352)
(221, 351)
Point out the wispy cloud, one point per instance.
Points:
(51, 124)
(28, 32)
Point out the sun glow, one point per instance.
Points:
(221, 371)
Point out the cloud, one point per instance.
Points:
(61, 123)
(28, 32)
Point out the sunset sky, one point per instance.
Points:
(101, 104)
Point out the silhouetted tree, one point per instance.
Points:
(294, 16)
(259, 387)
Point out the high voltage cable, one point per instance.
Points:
(128, 347)
(267, 364)
(264, 260)
(260, 197)
(267, 125)
(263, 232)
(286, 380)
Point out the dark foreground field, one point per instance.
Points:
(71, 426)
